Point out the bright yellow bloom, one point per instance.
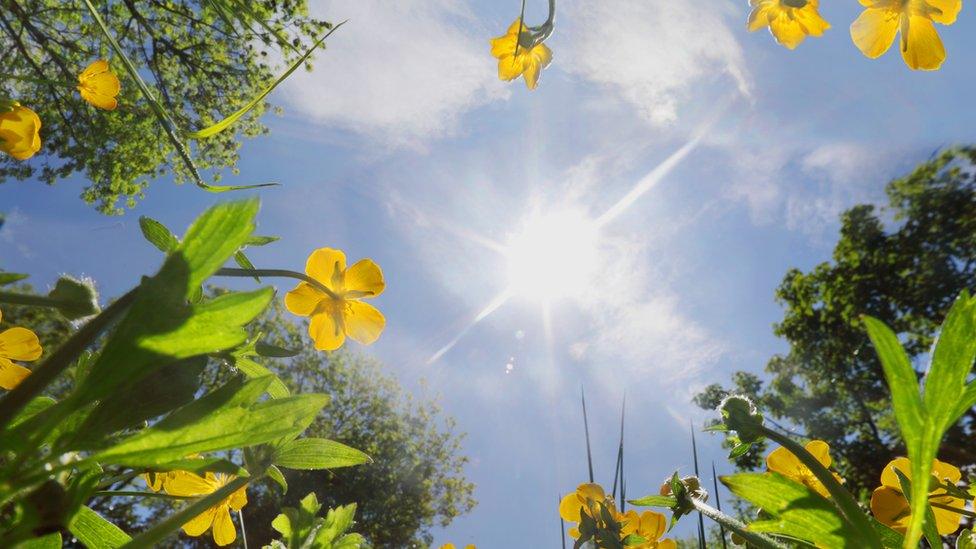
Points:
(785, 463)
(156, 481)
(20, 132)
(650, 526)
(98, 85)
(921, 48)
(789, 21)
(451, 546)
(184, 483)
(527, 62)
(890, 507)
(585, 499)
(16, 344)
(342, 314)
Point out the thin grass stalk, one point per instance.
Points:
(718, 505)
(586, 431)
(701, 519)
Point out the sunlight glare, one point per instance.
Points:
(554, 256)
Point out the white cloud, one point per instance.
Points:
(651, 52)
(399, 72)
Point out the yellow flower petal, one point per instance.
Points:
(11, 374)
(510, 67)
(98, 85)
(652, 525)
(760, 15)
(874, 31)
(569, 508)
(947, 10)
(365, 278)
(820, 450)
(200, 523)
(787, 31)
(922, 48)
(537, 59)
(187, 484)
(224, 532)
(890, 507)
(20, 344)
(782, 461)
(327, 265)
(99, 66)
(326, 332)
(667, 544)
(364, 323)
(811, 21)
(303, 300)
(888, 476)
(20, 132)
(238, 499)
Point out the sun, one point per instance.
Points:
(554, 256)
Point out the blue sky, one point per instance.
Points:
(402, 146)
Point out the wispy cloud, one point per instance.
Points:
(399, 72)
(652, 53)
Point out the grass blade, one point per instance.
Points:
(586, 430)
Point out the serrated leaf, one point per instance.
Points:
(317, 453)
(158, 234)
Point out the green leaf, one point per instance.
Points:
(929, 526)
(225, 419)
(95, 532)
(952, 361)
(261, 240)
(795, 510)
(222, 125)
(272, 351)
(76, 298)
(158, 235)
(966, 540)
(275, 474)
(35, 406)
(215, 236)
(902, 381)
(889, 538)
(654, 501)
(201, 465)
(10, 278)
(242, 260)
(252, 369)
(50, 541)
(967, 400)
(317, 453)
(739, 449)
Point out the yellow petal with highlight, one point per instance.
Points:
(200, 523)
(891, 508)
(20, 344)
(11, 374)
(569, 508)
(187, 484)
(652, 525)
(327, 265)
(922, 49)
(874, 31)
(947, 10)
(888, 476)
(364, 323)
(326, 332)
(759, 17)
(366, 278)
(510, 67)
(820, 450)
(224, 532)
(20, 132)
(787, 31)
(303, 300)
(238, 499)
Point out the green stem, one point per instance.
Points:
(137, 493)
(15, 298)
(839, 495)
(64, 356)
(754, 539)
(963, 512)
(172, 523)
(250, 273)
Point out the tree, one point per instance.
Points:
(416, 479)
(905, 272)
(202, 59)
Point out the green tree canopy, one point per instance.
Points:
(202, 59)
(903, 264)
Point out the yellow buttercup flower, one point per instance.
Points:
(921, 48)
(785, 463)
(16, 344)
(789, 21)
(20, 130)
(518, 56)
(650, 526)
(98, 85)
(184, 483)
(451, 546)
(890, 507)
(341, 314)
(585, 499)
(156, 481)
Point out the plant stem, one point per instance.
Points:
(754, 538)
(963, 512)
(250, 273)
(15, 298)
(138, 493)
(843, 499)
(63, 357)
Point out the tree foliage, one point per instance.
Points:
(903, 264)
(202, 59)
